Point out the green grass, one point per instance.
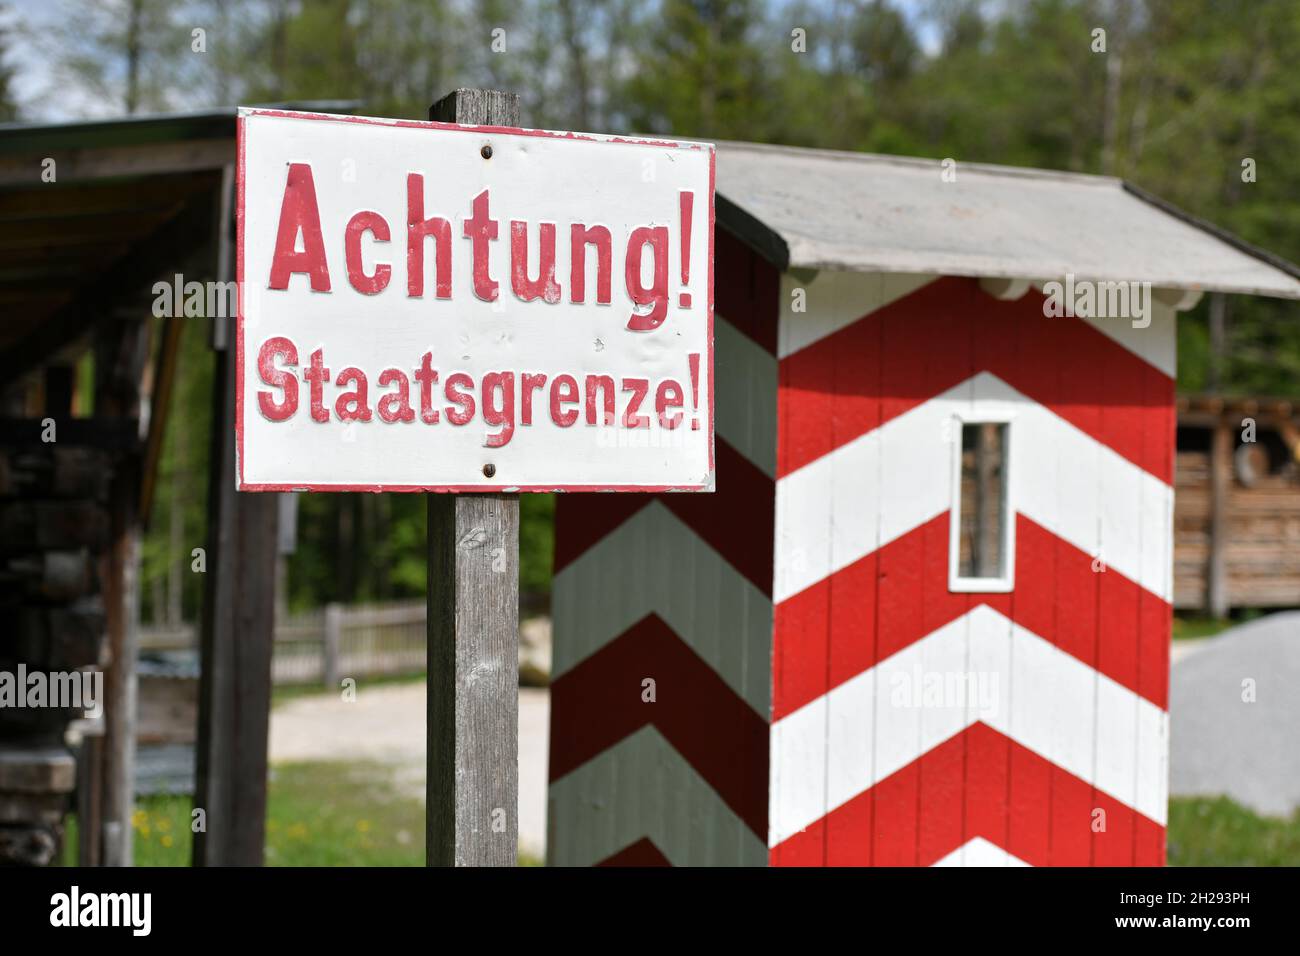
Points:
(1218, 832)
(318, 814)
(341, 814)
(1194, 627)
(351, 814)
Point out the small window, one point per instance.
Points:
(982, 518)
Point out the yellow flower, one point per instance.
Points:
(167, 840)
(363, 826)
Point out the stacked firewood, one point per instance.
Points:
(54, 535)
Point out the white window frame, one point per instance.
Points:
(1007, 580)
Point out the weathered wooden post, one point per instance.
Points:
(330, 674)
(237, 627)
(472, 809)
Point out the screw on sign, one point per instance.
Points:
(482, 310)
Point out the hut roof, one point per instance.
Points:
(822, 209)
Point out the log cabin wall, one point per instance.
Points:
(1260, 550)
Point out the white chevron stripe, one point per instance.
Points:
(654, 563)
(879, 722)
(745, 396)
(874, 489)
(980, 852)
(835, 300)
(642, 787)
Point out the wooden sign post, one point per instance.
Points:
(470, 309)
(472, 787)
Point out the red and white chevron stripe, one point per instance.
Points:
(790, 621)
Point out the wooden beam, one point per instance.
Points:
(119, 361)
(111, 162)
(159, 410)
(236, 637)
(84, 199)
(473, 705)
(121, 605)
(1216, 577)
(90, 228)
(472, 809)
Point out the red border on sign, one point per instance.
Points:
(707, 485)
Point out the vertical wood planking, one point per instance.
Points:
(472, 814)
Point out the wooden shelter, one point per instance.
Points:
(91, 216)
(925, 619)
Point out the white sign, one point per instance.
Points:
(432, 307)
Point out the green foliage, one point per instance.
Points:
(179, 517)
(1185, 91)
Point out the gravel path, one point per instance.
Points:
(386, 724)
(1220, 744)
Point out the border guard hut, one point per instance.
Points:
(926, 617)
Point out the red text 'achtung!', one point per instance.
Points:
(533, 270)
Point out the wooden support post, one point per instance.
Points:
(236, 629)
(89, 798)
(333, 639)
(1216, 575)
(121, 350)
(472, 814)
(121, 605)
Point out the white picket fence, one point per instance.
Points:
(331, 643)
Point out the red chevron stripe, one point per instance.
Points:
(641, 853)
(911, 350)
(736, 520)
(892, 598)
(747, 288)
(598, 703)
(1009, 795)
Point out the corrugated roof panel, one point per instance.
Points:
(867, 213)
